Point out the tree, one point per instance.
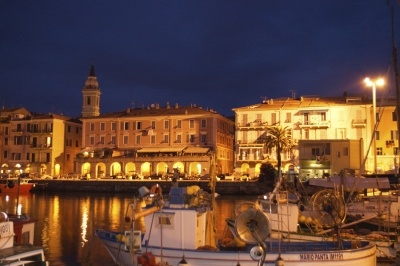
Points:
(279, 138)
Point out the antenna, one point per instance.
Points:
(293, 93)
(264, 99)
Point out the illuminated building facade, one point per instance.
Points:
(330, 134)
(154, 141)
(38, 144)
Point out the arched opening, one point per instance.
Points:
(85, 169)
(100, 170)
(162, 168)
(145, 169)
(244, 169)
(57, 168)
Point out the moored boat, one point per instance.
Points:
(16, 241)
(16, 185)
(172, 234)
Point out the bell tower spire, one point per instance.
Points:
(91, 95)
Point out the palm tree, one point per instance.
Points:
(280, 138)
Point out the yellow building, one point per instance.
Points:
(334, 124)
(39, 144)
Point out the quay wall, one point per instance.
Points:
(131, 186)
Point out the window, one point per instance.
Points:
(5, 155)
(113, 126)
(394, 135)
(102, 126)
(166, 219)
(273, 118)
(191, 123)
(288, 118)
(138, 125)
(17, 140)
(88, 100)
(101, 139)
(68, 157)
(113, 139)
(179, 138)
(69, 129)
(203, 123)
(5, 141)
(91, 126)
(345, 151)
(192, 138)
(179, 124)
(166, 138)
(379, 151)
(203, 138)
(91, 140)
(76, 143)
(33, 157)
(138, 139)
(306, 134)
(125, 140)
(77, 130)
(315, 151)
(48, 157)
(377, 135)
(166, 124)
(125, 126)
(323, 116)
(394, 116)
(153, 124)
(6, 131)
(28, 156)
(153, 139)
(396, 151)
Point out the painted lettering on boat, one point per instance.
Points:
(5, 229)
(323, 256)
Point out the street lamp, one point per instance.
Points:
(373, 84)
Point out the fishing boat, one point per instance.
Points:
(181, 231)
(16, 185)
(16, 241)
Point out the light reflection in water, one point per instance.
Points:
(84, 224)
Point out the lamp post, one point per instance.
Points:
(373, 84)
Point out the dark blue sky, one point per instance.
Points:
(217, 54)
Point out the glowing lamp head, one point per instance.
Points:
(370, 83)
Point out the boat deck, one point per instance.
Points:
(21, 255)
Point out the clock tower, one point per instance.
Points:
(91, 96)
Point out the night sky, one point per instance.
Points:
(215, 54)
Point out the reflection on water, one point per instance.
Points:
(66, 222)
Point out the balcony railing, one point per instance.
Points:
(40, 146)
(40, 130)
(316, 124)
(253, 124)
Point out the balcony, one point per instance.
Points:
(250, 158)
(247, 143)
(315, 124)
(40, 146)
(252, 125)
(41, 131)
(359, 122)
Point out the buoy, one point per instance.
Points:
(309, 220)
(383, 216)
(279, 261)
(183, 262)
(302, 219)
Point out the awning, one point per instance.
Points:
(350, 182)
(152, 149)
(196, 150)
(171, 149)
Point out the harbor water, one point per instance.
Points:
(66, 221)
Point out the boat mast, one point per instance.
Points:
(396, 81)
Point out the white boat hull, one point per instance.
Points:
(293, 254)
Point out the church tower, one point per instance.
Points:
(91, 96)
